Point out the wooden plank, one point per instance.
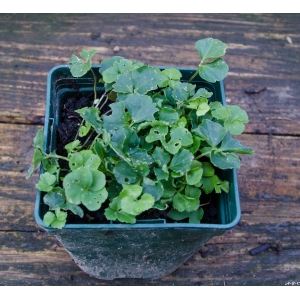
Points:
(259, 56)
(36, 258)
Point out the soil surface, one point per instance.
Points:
(66, 132)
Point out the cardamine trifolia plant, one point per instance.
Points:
(157, 147)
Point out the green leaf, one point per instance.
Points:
(177, 215)
(203, 107)
(141, 80)
(194, 175)
(208, 169)
(49, 217)
(160, 206)
(237, 119)
(219, 111)
(169, 190)
(168, 115)
(200, 105)
(230, 144)
(58, 224)
(78, 67)
(84, 158)
(86, 186)
(141, 155)
(50, 165)
(75, 209)
(196, 144)
(114, 212)
(184, 203)
(160, 156)
(161, 174)
(201, 93)
(182, 91)
(36, 159)
(134, 206)
(211, 131)
(209, 183)
(142, 168)
(72, 146)
(196, 216)
(111, 214)
(60, 215)
(173, 146)
(157, 133)
(210, 48)
(145, 79)
(38, 141)
(133, 190)
(124, 65)
(172, 73)
(114, 189)
(126, 218)
(91, 115)
(182, 134)
(225, 160)
(109, 62)
(54, 200)
(124, 173)
(88, 54)
(214, 71)
(140, 107)
(224, 185)
(235, 127)
(46, 181)
(192, 192)
(181, 162)
(118, 119)
(110, 74)
(155, 189)
(238, 114)
(126, 140)
(124, 83)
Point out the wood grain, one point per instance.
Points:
(258, 55)
(263, 79)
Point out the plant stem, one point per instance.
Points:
(93, 130)
(95, 84)
(196, 73)
(205, 203)
(103, 103)
(56, 156)
(93, 143)
(78, 129)
(201, 155)
(100, 99)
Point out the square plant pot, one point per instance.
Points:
(149, 249)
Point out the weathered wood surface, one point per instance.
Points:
(261, 59)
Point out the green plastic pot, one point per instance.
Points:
(148, 249)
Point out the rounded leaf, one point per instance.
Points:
(214, 71)
(84, 184)
(210, 48)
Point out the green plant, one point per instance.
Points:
(158, 147)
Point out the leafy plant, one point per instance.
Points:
(158, 147)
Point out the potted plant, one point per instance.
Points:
(134, 160)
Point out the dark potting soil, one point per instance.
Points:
(66, 132)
